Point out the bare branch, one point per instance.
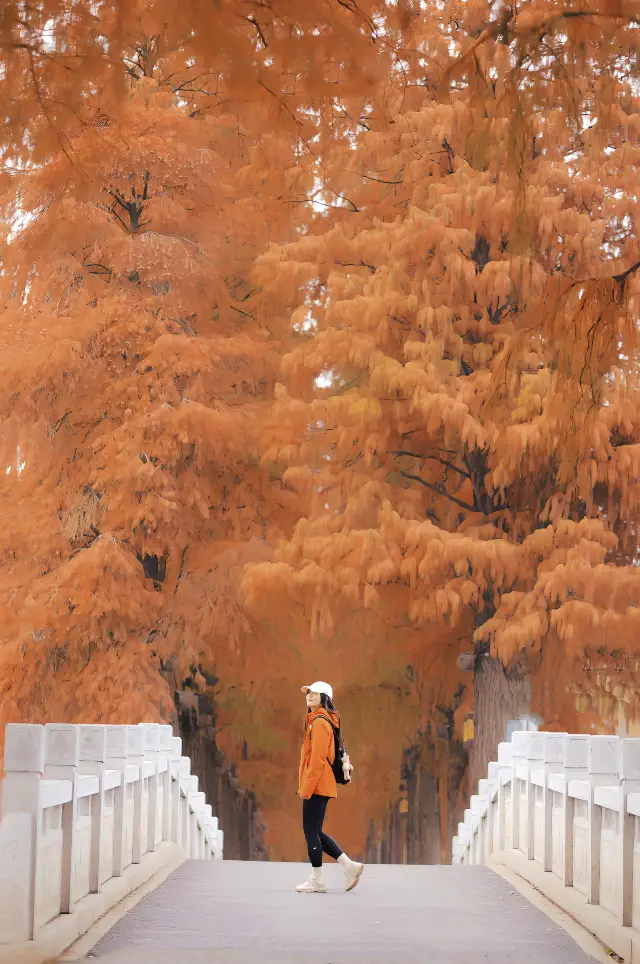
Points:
(255, 23)
(438, 491)
(622, 278)
(433, 458)
(379, 180)
(350, 264)
(296, 121)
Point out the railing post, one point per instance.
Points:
(197, 802)
(151, 748)
(463, 840)
(176, 753)
(203, 825)
(553, 761)
(476, 826)
(492, 783)
(24, 755)
(166, 736)
(483, 820)
(473, 850)
(220, 845)
(62, 755)
(455, 846)
(575, 767)
(505, 768)
(630, 780)
(135, 757)
(93, 753)
(208, 831)
(519, 745)
(534, 743)
(120, 741)
(192, 820)
(603, 770)
(185, 776)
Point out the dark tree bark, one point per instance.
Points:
(432, 778)
(500, 694)
(235, 807)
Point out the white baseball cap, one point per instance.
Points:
(319, 687)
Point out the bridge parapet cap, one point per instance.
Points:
(165, 736)
(62, 745)
(604, 755)
(520, 745)
(24, 748)
(93, 743)
(554, 747)
(535, 747)
(630, 759)
(192, 783)
(150, 739)
(505, 754)
(576, 751)
(123, 742)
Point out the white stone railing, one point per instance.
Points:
(82, 808)
(563, 811)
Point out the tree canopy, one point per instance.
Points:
(319, 353)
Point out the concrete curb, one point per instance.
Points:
(80, 948)
(115, 899)
(592, 927)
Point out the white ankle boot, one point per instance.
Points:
(352, 871)
(315, 884)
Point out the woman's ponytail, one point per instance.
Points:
(327, 703)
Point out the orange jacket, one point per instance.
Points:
(317, 754)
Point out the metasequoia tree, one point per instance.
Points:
(136, 374)
(133, 374)
(134, 366)
(461, 414)
(149, 152)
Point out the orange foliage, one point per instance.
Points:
(463, 414)
(135, 371)
(354, 279)
(138, 188)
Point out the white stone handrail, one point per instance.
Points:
(563, 811)
(91, 810)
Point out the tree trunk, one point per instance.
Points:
(456, 798)
(423, 818)
(432, 779)
(500, 695)
(233, 806)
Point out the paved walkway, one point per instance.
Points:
(244, 913)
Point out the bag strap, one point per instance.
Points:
(321, 716)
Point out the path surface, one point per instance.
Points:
(247, 913)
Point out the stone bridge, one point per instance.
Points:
(109, 852)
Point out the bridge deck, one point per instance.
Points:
(243, 913)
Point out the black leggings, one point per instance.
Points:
(313, 811)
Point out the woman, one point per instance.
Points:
(317, 784)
